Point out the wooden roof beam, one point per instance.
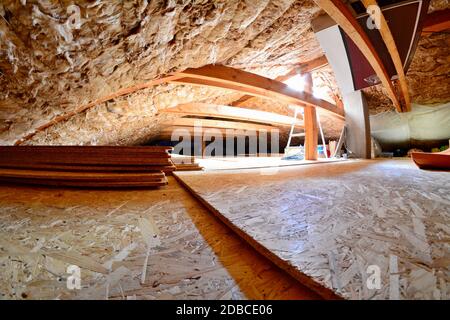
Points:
(305, 67)
(220, 124)
(175, 131)
(275, 90)
(436, 21)
(234, 113)
(393, 51)
(341, 14)
(214, 81)
(253, 84)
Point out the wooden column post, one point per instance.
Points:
(203, 147)
(311, 128)
(311, 133)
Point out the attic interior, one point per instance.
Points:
(225, 150)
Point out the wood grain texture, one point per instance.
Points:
(185, 163)
(328, 223)
(79, 183)
(86, 168)
(76, 166)
(311, 124)
(253, 84)
(305, 67)
(340, 13)
(43, 231)
(220, 124)
(95, 176)
(173, 133)
(94, 155)
(235, 113)
(437, 21)
(395, 56)
(311, 133)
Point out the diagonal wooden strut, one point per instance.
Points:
(393, 51)
(253, 84)
(341, 14)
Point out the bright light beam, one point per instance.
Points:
(297, 82)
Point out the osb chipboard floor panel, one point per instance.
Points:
(111, 234)
(264, 163)
(334, 226)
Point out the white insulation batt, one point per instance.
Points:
(422, 123)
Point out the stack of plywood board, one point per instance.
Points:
(86, 166)
(185, 163)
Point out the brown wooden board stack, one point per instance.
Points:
(185, 163)
(86, 166)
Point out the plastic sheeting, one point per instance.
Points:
(422, 123)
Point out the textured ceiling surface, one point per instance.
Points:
(428, 76)
(56, 57)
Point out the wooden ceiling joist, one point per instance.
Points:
(174, 132)
(234, 113)
(215, 76)
(253, 84)
(437, 21)
(221, 124)
(395, 56)
(341, 14)
(305, 67)
(311, 124)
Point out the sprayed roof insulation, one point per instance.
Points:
(56, 57)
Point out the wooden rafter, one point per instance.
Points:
(215, 76)
(253, 84)
(234, 113)
(341, 14)
(437, 21)
(174, 131)
(305, 67)
(393, 51)
(83, 108)
(222, 124)
(311, 127)
(302, 68)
